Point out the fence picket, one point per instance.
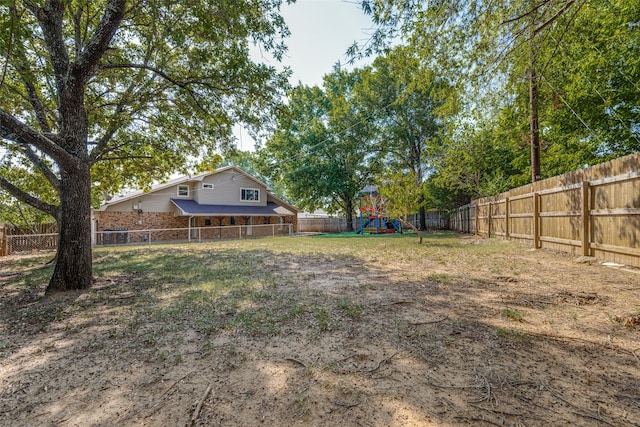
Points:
(590, 212)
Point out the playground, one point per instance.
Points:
(372, 215)
(323, 331)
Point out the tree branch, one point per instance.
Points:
(50, 18)
(102, 143)
(14, 130)
(181, 84)
(524, 15)
(40, 164)
(24, 197)
(89, 60)
(554, 17)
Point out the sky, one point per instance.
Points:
(321, 32)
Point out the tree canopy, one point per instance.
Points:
(103, 94)
(321, 151)
(578, 56)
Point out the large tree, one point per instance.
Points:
(118, 90)
(321, 153)
(409, 105)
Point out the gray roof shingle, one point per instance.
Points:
(193, 208)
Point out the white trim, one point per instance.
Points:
(178, 190)
(244, 189)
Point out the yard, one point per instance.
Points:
(325, 331)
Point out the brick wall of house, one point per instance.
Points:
(163, 220)
(129, 220)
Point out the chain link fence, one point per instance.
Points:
(22, 244)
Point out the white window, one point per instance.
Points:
(183, 191)
(250, 195)
(207, 186)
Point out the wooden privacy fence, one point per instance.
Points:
(325, 225)
(591, 212)
(435, 220)
(3, 241)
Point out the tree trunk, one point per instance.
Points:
(533, 104)
(535, 129)
(414, 228)
(73, 268)
(349, 214)
(423, 215)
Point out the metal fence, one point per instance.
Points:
(194, 234)
(30, 243)
(325, 225)
(434, 220)
(23, 244)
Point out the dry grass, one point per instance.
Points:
(322, 331)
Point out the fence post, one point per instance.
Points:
(506, 218)
(586, 218)
(536, 220)
(489, 220)
(3, 241)
(475, 220)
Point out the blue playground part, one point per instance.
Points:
(373, 219)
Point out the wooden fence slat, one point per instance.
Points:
(586, 220)
(603, 216)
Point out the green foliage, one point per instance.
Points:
(585, 54)
(513, 314)
(320, 151)
(402, 196)
(174, 80)
(334, 140)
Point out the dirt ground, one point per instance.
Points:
(531, 338)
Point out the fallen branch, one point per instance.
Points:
(196, 412)
(346, 358)
(296, 361)
(428, 323)
(175, 383)
(487, 386)
(346, 405)
(385, 360)
(455, 386)
(158, 405)
(580, 411)
(398, 302)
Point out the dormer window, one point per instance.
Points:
(250, 195)
(183, 191)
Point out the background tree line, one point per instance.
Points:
(479, 97)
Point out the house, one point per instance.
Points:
(227, 203)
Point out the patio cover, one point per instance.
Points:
(193, 208)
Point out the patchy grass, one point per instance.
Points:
(332, 330)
